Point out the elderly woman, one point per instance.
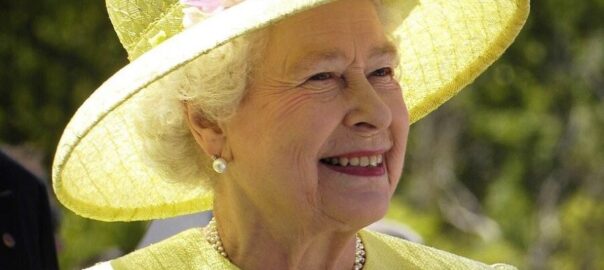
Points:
(286, 118)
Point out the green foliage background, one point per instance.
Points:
(511, 170)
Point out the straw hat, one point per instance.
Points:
(99, 170)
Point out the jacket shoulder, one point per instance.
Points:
(186, 250)
(387, 252)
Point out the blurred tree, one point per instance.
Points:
(54, 54)
(511, 170)
(517, 160)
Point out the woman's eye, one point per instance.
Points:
(321, 77)
(382, 72)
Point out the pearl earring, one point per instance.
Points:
(219, 165)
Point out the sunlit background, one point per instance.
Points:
(511, 170)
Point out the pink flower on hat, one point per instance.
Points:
(206, 6)
(210, 6)
(196, 10)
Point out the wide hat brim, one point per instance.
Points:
(100, 169)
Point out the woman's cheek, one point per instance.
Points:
(399, 128)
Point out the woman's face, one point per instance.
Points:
(321, 132)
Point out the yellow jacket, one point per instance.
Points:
(189, 250)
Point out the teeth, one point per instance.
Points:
(365, 161)
(373, 161)
(343, 162)
(334, 161)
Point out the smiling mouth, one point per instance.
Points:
(371, 165)
(362, 161)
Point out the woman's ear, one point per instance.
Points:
(208, 135)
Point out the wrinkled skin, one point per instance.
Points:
(325, 88)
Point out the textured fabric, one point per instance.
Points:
(388, 252)
(100, 169)
(141, 25)
(189, 250)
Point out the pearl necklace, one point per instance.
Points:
(211, 234)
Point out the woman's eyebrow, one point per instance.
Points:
(316, 59)
(319, 58)
(386, 49)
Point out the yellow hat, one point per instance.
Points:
(99, 170)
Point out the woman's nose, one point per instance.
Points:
(368, 112)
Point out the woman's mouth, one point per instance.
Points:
(356, 164)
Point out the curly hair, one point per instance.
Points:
(214, 85)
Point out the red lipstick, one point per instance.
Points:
(359, 171)
(360, 163)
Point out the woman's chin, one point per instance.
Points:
(353, 199)
(357, 214)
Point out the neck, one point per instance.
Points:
(257, 239)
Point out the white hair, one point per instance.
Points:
(214, 85)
